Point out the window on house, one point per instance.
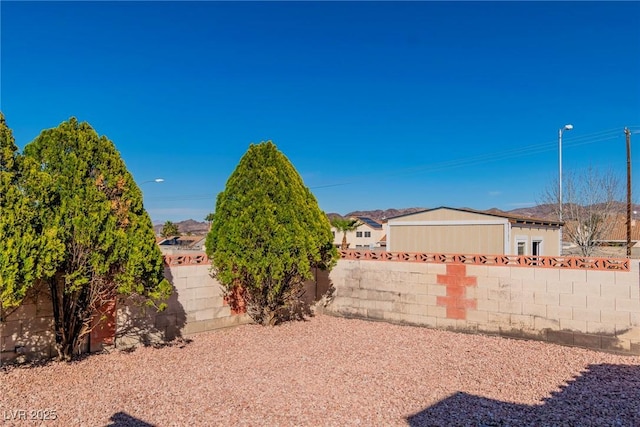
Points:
(521, 245)
(536, 248)
(358, 233)
(334, 233)
(367, 234)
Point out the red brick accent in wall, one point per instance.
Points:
(104, 324)
(456, 281)
(235, 300)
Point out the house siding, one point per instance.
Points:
(549, 236)
(486, 239)
(447, 230)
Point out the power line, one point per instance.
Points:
(601, 136)
(494, 156)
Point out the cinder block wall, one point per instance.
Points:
(581, 307)
(26, 332)
(195, 306)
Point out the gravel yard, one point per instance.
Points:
(330, 371)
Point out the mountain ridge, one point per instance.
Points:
(547, 211)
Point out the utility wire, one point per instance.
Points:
(578, 141)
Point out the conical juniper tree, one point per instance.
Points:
(267, 233)
(108, 238)
(29, 249)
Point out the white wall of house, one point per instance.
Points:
(364, 237)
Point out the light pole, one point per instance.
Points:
(627, 132)
(562, 129)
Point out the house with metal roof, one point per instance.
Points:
(466, 231)
(176, 244)
(369, 235)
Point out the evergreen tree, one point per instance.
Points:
(267, 233)
(29, 249)
(107, 236)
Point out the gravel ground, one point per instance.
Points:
(331, 371)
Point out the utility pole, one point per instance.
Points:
(627, 132)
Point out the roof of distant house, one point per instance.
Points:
(370, 222)
(185, 241)
(618, 232)
(513, 218)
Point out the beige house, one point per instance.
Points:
(369, 235)
(466, 231)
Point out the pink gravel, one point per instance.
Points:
(330, 371)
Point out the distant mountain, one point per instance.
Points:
(380, 215)
(186, 227)
(539, 212)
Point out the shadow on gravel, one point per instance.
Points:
(603, 395)
(122, 419)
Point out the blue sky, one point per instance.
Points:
(377, 104)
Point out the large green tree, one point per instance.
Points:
(108, 238)
(29, 249)
(267, 233)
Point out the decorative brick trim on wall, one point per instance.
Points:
(565, 262)
(495, 260)
(456, 281)
(197, 258)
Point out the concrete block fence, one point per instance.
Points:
(27, 331)
(587, 302)
(196, 306)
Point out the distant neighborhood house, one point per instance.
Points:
(369, 235)
(466, 231)
(181, 243)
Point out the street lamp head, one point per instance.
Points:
(568, 127)
(153, 180)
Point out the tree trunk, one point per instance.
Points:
(68, 315)
(344, 241)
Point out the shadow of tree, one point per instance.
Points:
(26, 331)
(314, 292)
(122, 419)
(603, 395)
(144, 325)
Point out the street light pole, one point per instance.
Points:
(627, 132)
(562, 129)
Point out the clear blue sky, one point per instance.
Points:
(377, 104)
